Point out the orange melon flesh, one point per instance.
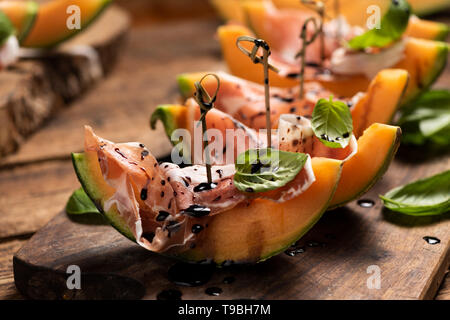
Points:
(381, 100)
(424, 60)
(376, 149)
(263, 229)
(22, 15)
(241, 65)
(424, 29)
(50, 27)
(244, 234)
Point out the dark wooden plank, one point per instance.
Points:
(8, 290)
(35, 88)
(32, 195)
(120, 106)
(355, 238)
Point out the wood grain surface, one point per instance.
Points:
(354, 237)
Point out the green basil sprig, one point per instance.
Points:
(332, 123)
(80, 203)
(392, 26)
(259, 170)
(426, 197)
(427, 119)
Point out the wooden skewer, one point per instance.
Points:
(200, 95)
(264, 60)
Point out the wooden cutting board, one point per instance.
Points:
(334, 265)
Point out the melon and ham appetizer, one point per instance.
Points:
(244, 100)
(169, 209)
(344, 72)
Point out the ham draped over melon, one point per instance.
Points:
(294, 134)
(162, 203)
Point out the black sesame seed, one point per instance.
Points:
(144, 194)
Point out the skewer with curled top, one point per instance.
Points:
(264, 60)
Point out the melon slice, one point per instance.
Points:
(425, 29)
(376, 149)
(245, 234)
(51, 28)
(424, 60)
(22, 15)
(239, 64)
(377, 105)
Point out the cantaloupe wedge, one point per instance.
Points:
(376, 149)
(51, 28)
(245, 234)
(425, 29)
(377, 105)
(424, 60)
(239, 64)
(22, 15)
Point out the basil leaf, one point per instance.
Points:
(392, 26)
(427, 119)
(6, 28)
(259, 170)
(80, 203)
(332, 123)
(430, 196)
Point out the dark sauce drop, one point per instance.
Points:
(196, 228)
(431, 240)
(197, 211)
(366, 203)
(169, 295)
(213, 291)
(228, 280)
(149, 236)
(314, 244)
(205, 186)
(292, 252)
(191, 275)
(162, 215)
(144, 194)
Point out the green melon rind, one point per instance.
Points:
(31, 16)
(434, 72)
(94, 192)
(74, 32)
(185, 85)
(443, 32)
(391, 154)
(162, 113)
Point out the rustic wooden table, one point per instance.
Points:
(36, 182)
